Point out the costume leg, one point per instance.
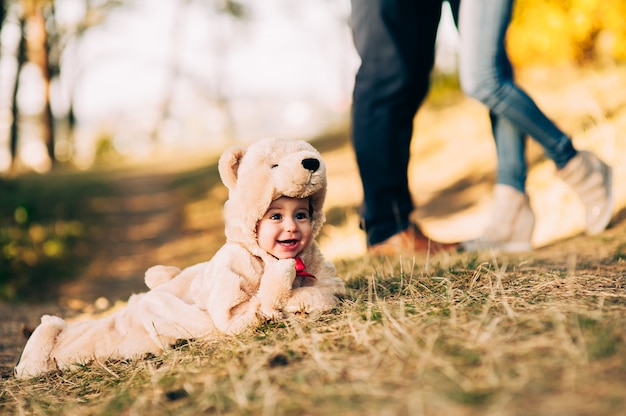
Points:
(36, 358)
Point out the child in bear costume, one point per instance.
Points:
(242, 285)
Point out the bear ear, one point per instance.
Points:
(228, 165)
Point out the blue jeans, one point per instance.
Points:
(396, 42)
(486, 75)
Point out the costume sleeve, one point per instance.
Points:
(237, 290)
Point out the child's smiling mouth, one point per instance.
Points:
(288, 243)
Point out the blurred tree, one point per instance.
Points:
(95, 13)
(40, 31)
(43, 42)
(568, 31)
(33, 46)
(222, 13)
(20, 60)
(225, 13)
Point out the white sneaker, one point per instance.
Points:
(511, 226)
(591, 179)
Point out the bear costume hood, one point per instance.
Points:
(259, 174)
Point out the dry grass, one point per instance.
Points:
(458, 335)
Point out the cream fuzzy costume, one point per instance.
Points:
(237, 289)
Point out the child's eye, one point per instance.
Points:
(275, 217)
(302, 216)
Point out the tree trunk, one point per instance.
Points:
(38, 49)
(15, 113)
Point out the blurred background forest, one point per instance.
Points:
(85, 80)
(95, 84)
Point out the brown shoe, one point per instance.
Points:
(410, 241)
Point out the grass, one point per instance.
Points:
(465, 335)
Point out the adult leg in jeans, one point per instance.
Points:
(396, 42)
(486, 74)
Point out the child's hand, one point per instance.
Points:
(279, 273)
(275, 286)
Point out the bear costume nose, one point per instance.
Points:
(311, 164)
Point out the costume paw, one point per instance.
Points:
(157, 275)
(310, 299)
(36, 359)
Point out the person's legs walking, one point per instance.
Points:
(396, 42)
(484, 66)
(511, 219)
(486, 74)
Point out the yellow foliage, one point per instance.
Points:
(567, 31)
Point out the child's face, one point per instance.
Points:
(285, 229)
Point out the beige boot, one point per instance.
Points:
(591, 179)
(511, 226)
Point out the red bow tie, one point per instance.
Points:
(300, 269)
